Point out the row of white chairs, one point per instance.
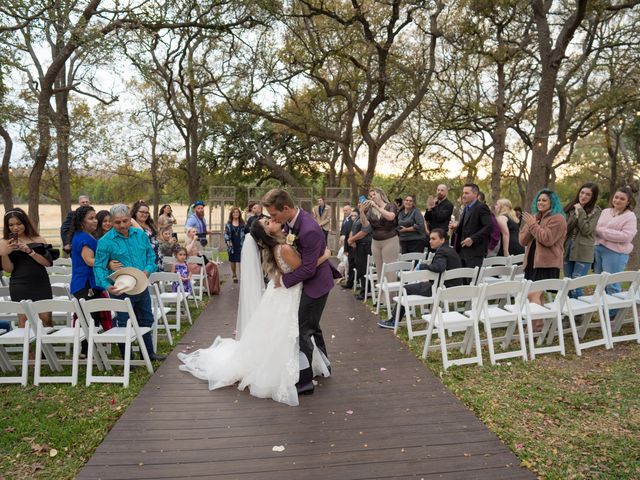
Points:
(469, 276)
(502, 268)
(505, 304)
(164, 302)
(82, 329)
(199, 281)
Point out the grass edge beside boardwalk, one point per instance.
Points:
(51, 431)
(564, 417)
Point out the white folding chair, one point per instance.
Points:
(47, 337)
(199, 282)
(386, 287)
(625, 300)
(167, 261)
(159, 315)
(492, 315)
(178, 299)
(132, 332)
(515, 259)
(61, 280)
(370, 279)
(412, 257)
(550, 313)
(495, 261)
(585, 306)
(442, 318)
(411, 302)
(66, 262)
(500, 273)
(15, 338)
(465, 273)
(58, 270)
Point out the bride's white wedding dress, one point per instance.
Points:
(266, 358)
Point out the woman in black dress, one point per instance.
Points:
(25, 255)
(509, 228)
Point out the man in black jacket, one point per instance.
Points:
(66, 225)
(345, 231)
(439, 210)
(472, 232)
(445, 258)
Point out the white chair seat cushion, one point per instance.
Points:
(116, 333)
(579, 306)
(16, 336)
(64, 333)
(390, 286)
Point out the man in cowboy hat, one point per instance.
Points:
(127, 252)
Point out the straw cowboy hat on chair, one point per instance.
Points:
(129, 280)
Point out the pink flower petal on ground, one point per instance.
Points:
(382, 369)
(349, 412)
(519, 446)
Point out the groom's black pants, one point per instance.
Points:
(309, 314)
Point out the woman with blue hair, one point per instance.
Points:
(542, 234)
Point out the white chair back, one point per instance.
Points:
(494, 261)
(464, 273)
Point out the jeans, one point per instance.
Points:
(141, 304)
(611, 262)
(575, 270)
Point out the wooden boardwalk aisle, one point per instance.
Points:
(364, 422)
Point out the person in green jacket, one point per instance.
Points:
(582, 217)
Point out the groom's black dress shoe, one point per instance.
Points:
(305, 388)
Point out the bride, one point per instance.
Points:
(266, 356)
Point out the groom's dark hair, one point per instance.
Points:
(278, 198)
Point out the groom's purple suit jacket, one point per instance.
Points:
(316, 281)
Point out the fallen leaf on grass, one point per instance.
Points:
(53, 452)
(36, 466)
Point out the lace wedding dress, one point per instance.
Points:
(266, 358)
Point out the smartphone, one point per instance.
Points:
(174, 235)
(362, 199)
(14, 236)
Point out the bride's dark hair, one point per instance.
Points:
(267, 245)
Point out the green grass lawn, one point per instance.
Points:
(564, 417)
(50, 431)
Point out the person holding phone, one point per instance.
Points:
(379, 216)
(25, 254)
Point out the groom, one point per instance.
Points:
(304, 234)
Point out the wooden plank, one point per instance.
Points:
(382, 414)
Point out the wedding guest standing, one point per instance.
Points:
(439, 210)
(65, 228)
(582, 218)
(166, 218)
(509, 228)
(473, 231)
(360, 241)
(194, 249)
(234, 238)
(411, 227)
(615, 230)
(378, 216)
(104, 223)
(254, 210)
(25, 254)
(141, 214)
(83, 250)
(542, 234)
(196, 220)
(322, 215)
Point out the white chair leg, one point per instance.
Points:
(37, 363)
